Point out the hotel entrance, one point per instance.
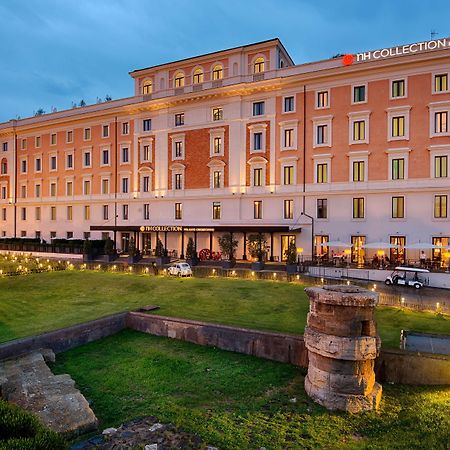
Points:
(125, 241)
(358, 252)
(285, 242)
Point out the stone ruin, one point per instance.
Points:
(342, 343)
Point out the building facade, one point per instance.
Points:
(355, 148)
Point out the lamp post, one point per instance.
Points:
(312, 234)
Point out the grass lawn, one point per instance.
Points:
(244, 402)
(42, 302)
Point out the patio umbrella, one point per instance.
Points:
(424, 246)
(337, 244)
(380, 245)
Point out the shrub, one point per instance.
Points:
(159, 249)
(291, 253)
(191, 252)
(257, 245)
(132, 250)
(109, 247)
(87, 247)
(228, 245)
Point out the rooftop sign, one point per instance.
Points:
(396, 51)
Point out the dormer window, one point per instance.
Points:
(217, 72)
(258, 65)
(147, 87)
(179, 80)
(198, 76)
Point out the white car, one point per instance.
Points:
(407, 276)
(180, 270)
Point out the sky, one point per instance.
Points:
(55, 52)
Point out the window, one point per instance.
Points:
(257, 140)
(322, 99)
(125, 155)
(69, 137)
(258, 65)
(69, 235)
(322, 208)
(4, 167)
(288, 209)
(125, 182)
(146, 211)
(258, 108)
(147, 88)
(398, 126)
(53, 162)
(257, 209)
(87, 159)
(288, 175)
(125, 128)
(147, 124)
(69, 161)
(322, 173)
(23, 166)
(359, 94)
(3, 213)
(440, 122)
(217, 179)
(398, 89)
(146, 183)
(398, 169)
(87, 212)
(69, 188)
(23, 144)
(37, 213)
(359, 130)
(37, 165)
(178, 149)
(440, 166)
(105, 157)
(37, 190)
(217, 72)
(288, 105)
(105, 186)
(178, 211)
(53, 139)
(146, 153)
(125, 212)
(322, 134)
(3, 192)
(5, 146)
(86, 235)
(179, 119)
(440, 206)
(105, 131)
(216, 211)
(358, 208)
(87, 134)
(218, 145)
(358, 170)
(52, 189)
(23, 191)
(217, 114)
(398, 207)
(105, 212)
(441, 83)
(257, 176)
(179, 80)
(69, 212)
(288, 137)
(86, 187)
(53, 213)
(178, 184)
(37, 141)
(198, 76)
(23, 213)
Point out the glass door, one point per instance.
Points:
(147, 243)
(437, 252)
(285, 242)
(398, 255)
(125, 240)
(321, 251)
(358, 252)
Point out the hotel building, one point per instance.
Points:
(353, 148)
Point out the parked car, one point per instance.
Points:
(180, 270)
(407, 276)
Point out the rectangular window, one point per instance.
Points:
(178, 181)
(3, 192)
(23, 213)
(53, 163)
(258, 108)
(105, 131)
(217, 145)
(146, 183)
(146, 153)
(69, 188)
(322, 208)
(52, 189)
(322, 99)
(3, 213)
(87, 187)
(105, 157)
(398, 88)
(178, 149)
(440, 166)
(105, 212)
(288, 104)
(87, 159)
(398, 169)
(87, 212)
(288, 137)
(105, 186)
(322, 173)
(257, 177)
(125, 155)
(257, 141)
(288, 209)
(440, 206)
(37, 164)
(398, 126)
(178, 211)
(23, 144)
(440, 122)
(358, 170)
(216, 210)
(288, 175)
(125, 186)
(217, 114)
(37, 213)
(23, 166)
(322, 137)
(69, 161)
(87, 134)
(217, 179)
(359, 130)
(358, 208)
(179, 119)
(441, 83)
(23, 191)
(69, 212)
(53, 139)
(147, 124)
(257, 209)
(146, 211)
(69, 235)
(125, 212)
(69, 137)
(5, 146)
(398, 207)
(125, 128)
(53, 213)
(38, 141)
(37, 190)
(359, 94)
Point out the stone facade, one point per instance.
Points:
(342, 344)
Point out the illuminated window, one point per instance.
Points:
(257, 176)
(322, 173)
(178, 181)
(359, 130)
(217, 72)
(217, 114)
(288, 209)
(258, 66)
(398, 169)
(69, 212)
(398, 207)
(358, 208)
(146, 211)
(398, 126)
(257, 209)
(105, 186)
(216, 210)
(217, 179)
(288, 175)
(125, 212)
(198, 76)
(178, 211)
(146, 153)
(440, 122)
(179, 80)
(441, 83)
(288, 137)
(440, 206)
(398, 88)
(86, 187)
(322, 99)
(53, 213)
(147, 87)
(440, 166)
(218, 145)
(358, 170)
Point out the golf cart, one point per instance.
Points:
(406, 276)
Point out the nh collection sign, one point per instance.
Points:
(418, 47)
(162, 228)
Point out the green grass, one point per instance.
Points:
(235, 401)
(42, 302)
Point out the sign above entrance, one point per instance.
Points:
(158, 228)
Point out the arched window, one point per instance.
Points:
(198, 76)
(258, 65)
(217, 72)
(4, 167)
(179, 80)
(147, 87)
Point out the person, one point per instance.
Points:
(423, 258)
(375, 261)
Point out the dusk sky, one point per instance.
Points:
(57, 52)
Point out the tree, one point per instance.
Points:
(109, 247)
(159, 249)
(87, 247)
(228, 246)
(132, 249)
(291, 253)
(257, 246)
(191, 251)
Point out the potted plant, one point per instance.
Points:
(257, 246)
(109, 251)
(191, 253)
(291, 258)
(133, 253)
(228, 247)
(161, 254)
(87, 251)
